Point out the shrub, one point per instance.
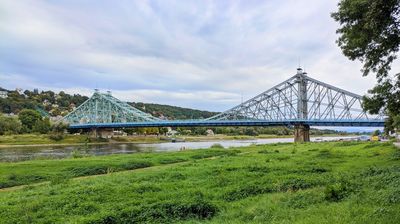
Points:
(76, 154)
(29, 117)
(42, 126)
(217, 146)
(55, 136)
(9, 125)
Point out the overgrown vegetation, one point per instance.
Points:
(257, 184)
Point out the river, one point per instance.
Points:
(14, 154)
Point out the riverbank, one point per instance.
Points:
(34, 140)
(330, 182)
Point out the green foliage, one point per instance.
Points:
(55, 104)
(42, 126)
(58, 131)
(29, 118)
(9, 125)
(217, 146)
(370, 32)
(56, 136)
(376, 133)
(172, 112)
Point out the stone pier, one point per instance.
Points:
(301, 133)
(102, 132)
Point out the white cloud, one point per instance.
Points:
(196, 54)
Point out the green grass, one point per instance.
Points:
(35, 171)
(277, 183)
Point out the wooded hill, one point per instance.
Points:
(62, 103)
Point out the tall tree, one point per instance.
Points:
(29, 118)
(370, 32)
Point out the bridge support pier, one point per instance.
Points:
(301, 133)
(102, 132)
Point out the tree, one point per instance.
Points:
(376, 133)
(9, 125)
(370, 32)
(42, 126)
(29, 118)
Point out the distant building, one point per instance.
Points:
(210, 132)
(3, 94)
(35, 91)
(19, 90)
(172, 133)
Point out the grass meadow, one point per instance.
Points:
(336, 182)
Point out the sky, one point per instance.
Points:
(198, 54)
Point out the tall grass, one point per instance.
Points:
(334, 184)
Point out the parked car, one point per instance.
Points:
(375, 138)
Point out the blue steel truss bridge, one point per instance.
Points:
(300, 101)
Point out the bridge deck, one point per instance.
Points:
(210, 123)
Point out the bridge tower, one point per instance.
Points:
(302, 131)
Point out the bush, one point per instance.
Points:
(42, 126)
(29, 118)
(76, 154)
(9, 125)
(56, 136)
(217, 146)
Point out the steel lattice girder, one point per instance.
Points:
(104, 108)
(300, 97)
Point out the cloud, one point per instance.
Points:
(205, 55)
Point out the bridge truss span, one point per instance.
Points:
(104, 108)
(301, 97)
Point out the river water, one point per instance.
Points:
(14, 154)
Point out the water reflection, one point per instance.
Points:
(46, 152)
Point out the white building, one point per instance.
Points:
(3, 94)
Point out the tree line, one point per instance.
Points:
(31, 121)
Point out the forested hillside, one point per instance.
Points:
(172, 112)
(49, 101)
(61, 103)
